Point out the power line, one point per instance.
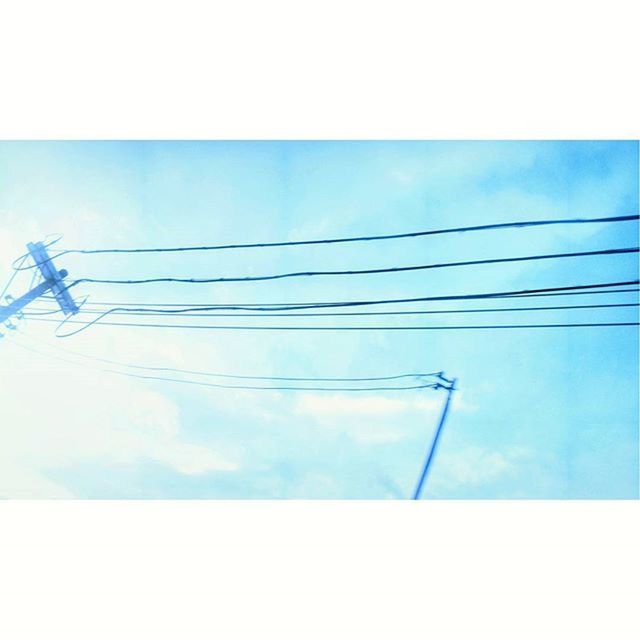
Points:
(189, 305)
(433, 385)
(576, 293)
(336, 328)
(153, 312)
(582, 289)
(279, 388)
(586, 289)
(433, 374)
(395, 236)
(179, 311)
(351, 272)
(296, 307)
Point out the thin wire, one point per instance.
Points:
(434, 374)
(286, 308)
(435, 385)
(529, 293)
(396, 236)
(422, 267)
(178, 311)
(321, 305)
(333, 328)
(575, 293)
(151, 312)
(256, 388)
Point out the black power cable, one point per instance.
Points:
(394, 236)
(327, 305)
(531, 293)
(352, 272)
(566, 290)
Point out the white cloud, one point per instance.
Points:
(191, 459)
(473, 466)
(19, 482)
(370, 405)
(56, 414)
(344, 405)
(367, 419)
(372, 419)
(52, 416)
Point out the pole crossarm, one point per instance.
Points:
(42, 260)
(53, 281)
(18, 304)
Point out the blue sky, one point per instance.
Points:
(539, 414)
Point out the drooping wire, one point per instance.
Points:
(353, 272)
(434, 385)
(430, 385)
(210, 374)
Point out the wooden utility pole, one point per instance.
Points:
(450, 387)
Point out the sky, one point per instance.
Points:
(546, 413)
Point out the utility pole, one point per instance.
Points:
(53, 281)
(450, 386)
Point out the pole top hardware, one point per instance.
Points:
(42, 260)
